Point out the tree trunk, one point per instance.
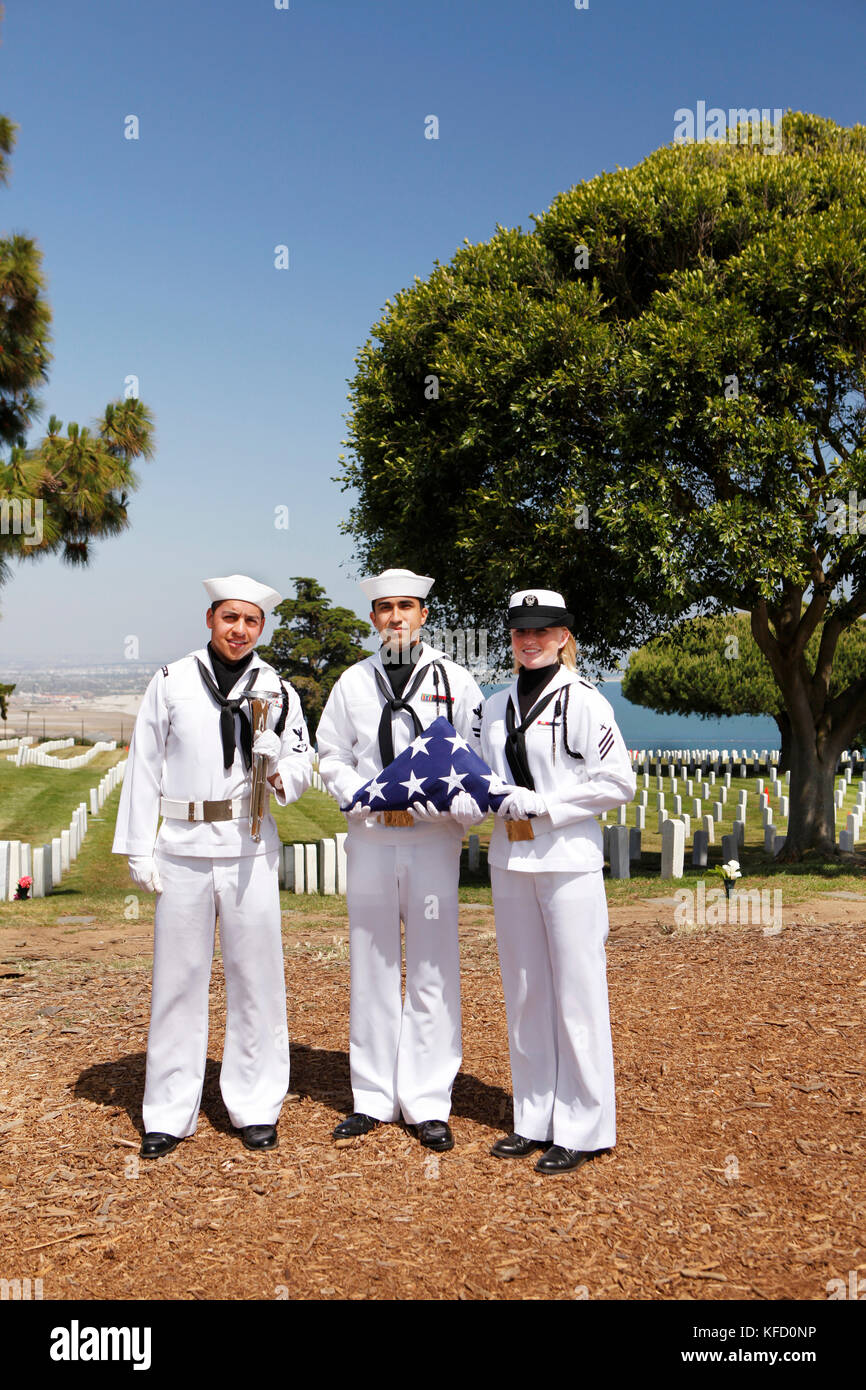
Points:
(811, 809)
(820, 728)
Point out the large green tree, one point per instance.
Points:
(713, 667)
(653, 401)
(68, 489)
(313, 644)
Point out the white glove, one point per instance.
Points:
(267, 743)
(426, 812)
(521, 803)
(143, 872)
(465, 809)
(358, 812)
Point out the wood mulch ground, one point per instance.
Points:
(738, 1172)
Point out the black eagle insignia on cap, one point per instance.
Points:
(529, 600)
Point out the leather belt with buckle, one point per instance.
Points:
(207, 811)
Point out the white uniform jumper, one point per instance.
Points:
(551, 913)
(207, 869)
(403, 1056)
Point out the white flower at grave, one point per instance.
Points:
(731, 869)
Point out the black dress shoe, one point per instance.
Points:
(259, 1136)
(515, 1146)
(560, 1160)
(154, 1144)
(435, 1134)
(355, 1124)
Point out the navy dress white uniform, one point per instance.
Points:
(403, 1055)
(548, 893)
(203, 867)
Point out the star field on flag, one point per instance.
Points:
(434, 768)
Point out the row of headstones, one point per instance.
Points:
(314, 866)
(320, 866)
(24, 753)
(678, 761)
(622, 846)
(46, 864)
(14, 742)
(39, 757)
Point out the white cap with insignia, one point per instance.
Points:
(397, 584)
(538, 608)
(241, 587)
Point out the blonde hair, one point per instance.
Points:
(566, 656)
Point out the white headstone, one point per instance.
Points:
(311, 868)
(340, 841)
(327, 858)
(299, 861)
(619, 847)
(41, 872)
(15, 870)
(708, 826)
(4, 871)
(673, 849)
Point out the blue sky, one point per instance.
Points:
(305, 127)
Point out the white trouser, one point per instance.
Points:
(255, 1068)
(404, 1055)
(551, 929)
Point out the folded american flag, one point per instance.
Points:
(435, 767)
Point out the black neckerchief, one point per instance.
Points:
(228, 710)
(399, 673)
(515, 742)
(227, 673)
(530, 685)
(391, 706)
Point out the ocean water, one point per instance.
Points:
(643, 728)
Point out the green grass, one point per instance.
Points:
(314, 817)
(36, 803)
(98, 882)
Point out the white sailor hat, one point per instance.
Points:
(538, 608)
(240, 586)
(397, 584)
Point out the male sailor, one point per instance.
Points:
(403, 1055)
(189, 760)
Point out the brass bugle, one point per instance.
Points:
(259, 788)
